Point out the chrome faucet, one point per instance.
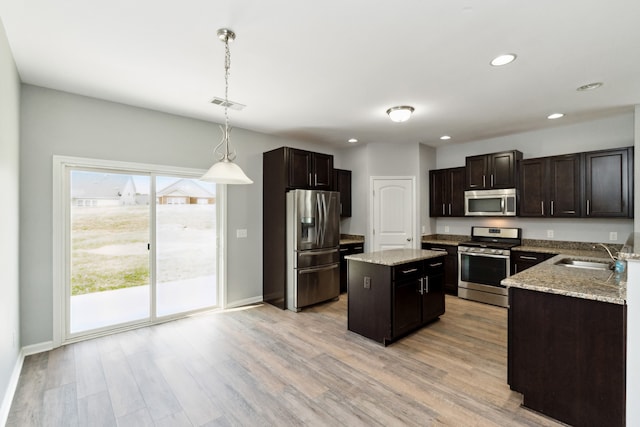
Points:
(608, 251)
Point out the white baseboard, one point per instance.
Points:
(37, 348)
(11, 389)
(247, 301)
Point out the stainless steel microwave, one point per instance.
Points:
(490, 202)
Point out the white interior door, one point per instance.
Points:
(393, 213)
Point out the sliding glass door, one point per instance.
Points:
(185, 245)
(142, 247)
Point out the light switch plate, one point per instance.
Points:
(613, 236)
(241, 233)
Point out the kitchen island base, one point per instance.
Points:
(386, 302)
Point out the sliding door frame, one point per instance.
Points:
(61, 239)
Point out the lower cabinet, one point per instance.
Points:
(387, 302)
(567, 356)
(521, 260)
(348, 249)
(450, 265)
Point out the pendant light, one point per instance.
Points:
(225, 171)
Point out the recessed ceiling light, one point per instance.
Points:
(353, 140)
(589, 86)
(555, 116)
(445, 137)
(505, 59)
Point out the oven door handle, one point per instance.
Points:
(483, 255)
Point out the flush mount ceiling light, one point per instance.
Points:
(352, 140)
(400, 113)
(445, 137)
(225, 171)
(555, 116)
(590, 86)
(505, 59)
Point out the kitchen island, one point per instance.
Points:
(394, 292)
(567, 340)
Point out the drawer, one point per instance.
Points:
(533, 257)
(408, 271)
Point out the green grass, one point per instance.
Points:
(109, 246)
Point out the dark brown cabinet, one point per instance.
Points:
(387, 302)
(309, 170)
(567, 356)
(551, 186)
(342, 184)
(496, 170)
(446, 192)
(609, 183)
(450, 279)
(348, 249)
(521, 260)
(285, 168)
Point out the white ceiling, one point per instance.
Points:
(327, 70)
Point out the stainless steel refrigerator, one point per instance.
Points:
(313, 256)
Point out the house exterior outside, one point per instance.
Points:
(185, 192)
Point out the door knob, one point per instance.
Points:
(409, 239)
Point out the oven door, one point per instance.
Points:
(482, 269)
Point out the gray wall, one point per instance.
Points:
(58, 123)
(9, 217)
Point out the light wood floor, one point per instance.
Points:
(265, 366)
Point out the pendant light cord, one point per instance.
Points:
(227, 155)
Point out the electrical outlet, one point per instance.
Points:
(241, 233)
(424, 229)
(613, 236)
(550, 234)
(446, 228)
(367, 282)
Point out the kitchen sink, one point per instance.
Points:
(592, 265)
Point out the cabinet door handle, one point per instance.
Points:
(344, 250)
(484, 181)
(411, 270)
(491, 180)
(587, 207)
(421, 280)
(437, 264)
(426, 284)
(443, 209)
(316, 178)
(438, 249)
(358, 248)
(449, 209)
(542, 207)
(309, 178)
(532, 258)
(552, 208)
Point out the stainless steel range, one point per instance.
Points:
(484, 261)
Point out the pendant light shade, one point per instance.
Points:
(225, 171)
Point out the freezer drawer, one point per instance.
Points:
(314, 285)
(318, 257)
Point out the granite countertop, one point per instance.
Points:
(444, 239)
(392, 257)
(599, 285)
(348, 239)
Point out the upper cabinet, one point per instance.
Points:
(496, 170)
(309, 170)
(591, 184)
(608, 190)
(446, 192)
(551, 186)
(342, 184)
